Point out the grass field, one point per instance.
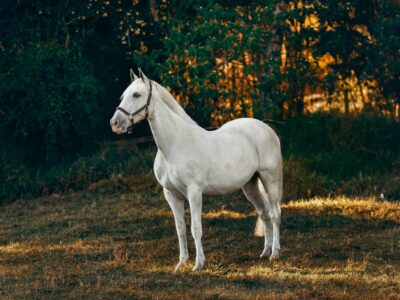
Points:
(114, 245)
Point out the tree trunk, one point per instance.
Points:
(346, 102)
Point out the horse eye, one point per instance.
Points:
(136, 95)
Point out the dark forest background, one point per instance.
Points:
(324, 74)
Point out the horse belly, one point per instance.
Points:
(229, 186)
(231, 170)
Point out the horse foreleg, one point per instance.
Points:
(195, 201)
(178, 208)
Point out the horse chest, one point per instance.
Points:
(170, 176)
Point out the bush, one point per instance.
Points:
(335, 154)
(112, 167)
(48, 103)
(342, 146)
(301, 181)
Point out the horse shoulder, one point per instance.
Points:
(160, 168)
(170, 176)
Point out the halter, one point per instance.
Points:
(144, 107)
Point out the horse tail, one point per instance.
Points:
(259, 230)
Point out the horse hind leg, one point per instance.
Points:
(272, 181)
(255, 193)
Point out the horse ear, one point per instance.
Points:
(133, 75)
(143, 77)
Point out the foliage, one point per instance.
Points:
(383, 63)
(63, 65)
(343, 146)
(223, 60)
(60, 78)
(49, 102)
(210, 47)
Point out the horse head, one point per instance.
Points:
(134, 106)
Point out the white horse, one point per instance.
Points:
(192, 162)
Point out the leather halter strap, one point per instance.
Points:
(144, 107)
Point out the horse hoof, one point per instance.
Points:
(198, 266)
(180, 264)
(266, 252)
(274, 257)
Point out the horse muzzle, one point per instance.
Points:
(118, 126)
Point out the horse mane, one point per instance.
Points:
(170, 101)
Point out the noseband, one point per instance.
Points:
(144, 107)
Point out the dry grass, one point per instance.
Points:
(88, 245)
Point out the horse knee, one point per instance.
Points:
(275, 215)
(181, 227)
(197, 231)
(261, 213)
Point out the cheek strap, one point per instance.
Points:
(144, 107)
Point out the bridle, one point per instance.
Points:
(144, 107)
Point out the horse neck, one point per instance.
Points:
(170, 130)
(173, 104)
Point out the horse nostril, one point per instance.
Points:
(114, 122)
